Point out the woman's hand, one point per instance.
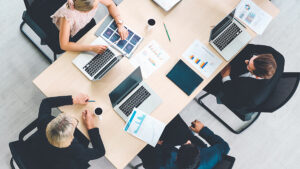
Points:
(98, 48)
(123, 32)
(80, 99)
(88, 119)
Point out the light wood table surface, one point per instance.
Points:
(189, 20)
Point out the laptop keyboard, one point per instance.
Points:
(134, 100)
(227, 36)
(98, 62)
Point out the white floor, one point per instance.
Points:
(271, 143)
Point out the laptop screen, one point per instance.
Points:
(131, 82)
(221, 26)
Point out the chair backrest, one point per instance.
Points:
(28, 3)
(285, 89)
(20, 149)
(226, 163)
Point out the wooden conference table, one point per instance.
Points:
(189, 20)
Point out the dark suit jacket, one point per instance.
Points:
(245, 93)
(76, 156)
(209, 155)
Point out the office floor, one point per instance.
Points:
(271, 143)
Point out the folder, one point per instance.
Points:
(184, 77)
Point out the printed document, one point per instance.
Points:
(144, 127)
(150, 58)
(253, 16)
(202, 58)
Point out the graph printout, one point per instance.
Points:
(144, 127)
(150, 58)
(202, 58)
(252, 15)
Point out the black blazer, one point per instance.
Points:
(245, 93)
(76, 156)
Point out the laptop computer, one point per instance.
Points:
(93, 66)
(229, 36)
(133, 92)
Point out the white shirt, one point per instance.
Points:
(248, 74)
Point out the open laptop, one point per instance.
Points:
(95, 66)
(229, 36)
(133, 92)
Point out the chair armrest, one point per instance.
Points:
(28, 129)
(34, 26)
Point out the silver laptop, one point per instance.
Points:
(133, 92)
(229, 36)
(95, 66)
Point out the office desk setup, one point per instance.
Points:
(187, 21)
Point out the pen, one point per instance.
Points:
(167, 32)
(91, 101)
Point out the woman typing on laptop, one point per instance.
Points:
(73, 17)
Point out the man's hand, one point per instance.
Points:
(160, 142)
(80, 99)
(226, 71)
(196, 126)
(88, 119)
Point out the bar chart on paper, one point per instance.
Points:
(202, 58)
(144, 127)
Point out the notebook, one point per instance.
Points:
(184, 77)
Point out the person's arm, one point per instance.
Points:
(232, 94)
(98, 149)
(114, 12)
(52, 102)
(65, 44)
(221, 147)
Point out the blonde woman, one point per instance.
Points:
(59, 145)
(75, 15)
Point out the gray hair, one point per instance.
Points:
(60, 130)
(84, 5)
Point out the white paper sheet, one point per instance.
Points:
(144, 127)
(150, 58)
(253, 16)
(202, 58)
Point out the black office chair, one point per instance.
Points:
(20, 149)
(226, 163)
(37, 17)
(284, 90)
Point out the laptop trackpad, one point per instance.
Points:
(152, 102)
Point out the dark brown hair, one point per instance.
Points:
(265, 66)
(188, 157)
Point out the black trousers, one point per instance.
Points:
(176, 133)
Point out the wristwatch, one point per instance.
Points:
(119, 22)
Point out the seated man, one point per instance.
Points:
(58, 143)
(193, 152)
(249, 79)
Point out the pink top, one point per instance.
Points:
(76, 19)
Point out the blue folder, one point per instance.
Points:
(184, 77)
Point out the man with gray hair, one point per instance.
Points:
(59, 144)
